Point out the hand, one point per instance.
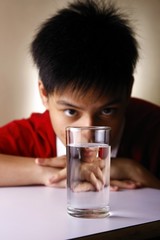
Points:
(89, 176)
(93, 174)
(85, 186)
(53, 171)
(129, 174)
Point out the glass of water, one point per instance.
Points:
(88, 171)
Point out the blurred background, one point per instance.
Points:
(19, 20)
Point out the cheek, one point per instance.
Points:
(59, 127)
(116, 127)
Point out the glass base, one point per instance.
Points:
(89, 213)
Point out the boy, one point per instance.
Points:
(86, 55)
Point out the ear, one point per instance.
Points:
(43, 94)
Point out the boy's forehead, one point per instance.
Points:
(89, 97)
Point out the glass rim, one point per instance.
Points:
(88, 127)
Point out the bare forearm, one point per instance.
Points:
(146, 178)
(16, 171)
(127, 169)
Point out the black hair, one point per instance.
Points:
(87, 44)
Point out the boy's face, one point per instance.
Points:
(70, 109)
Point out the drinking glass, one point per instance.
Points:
(88, 171)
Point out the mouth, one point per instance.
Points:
(90, 152)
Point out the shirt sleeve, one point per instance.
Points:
(32, 137)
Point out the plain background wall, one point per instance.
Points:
(19, 20)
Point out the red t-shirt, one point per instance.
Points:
(35, 137)
(32, 137)
(141, 135)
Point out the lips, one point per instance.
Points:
(88, 153)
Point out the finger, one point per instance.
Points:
(59, 176)
(52, 162)
(83, 187)
(125, 184)
(90, 177)
(99, 175)
(96, 183)
(61, 184)
(101, 164)
(114, 188)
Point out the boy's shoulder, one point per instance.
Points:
(142, 114)
(39, 118)
(32, 136)
(35, 122)
(141, 136)
(143, 108)
(39, 122)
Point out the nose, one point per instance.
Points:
(87, 121)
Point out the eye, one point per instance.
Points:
(108, 111)
(70, 112)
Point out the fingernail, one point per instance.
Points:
(114, 188)
(36, 161)
(39, 160)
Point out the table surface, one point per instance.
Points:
(39, 213)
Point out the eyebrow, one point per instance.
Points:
(67, 104)
(112, 102)
(115, 101)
